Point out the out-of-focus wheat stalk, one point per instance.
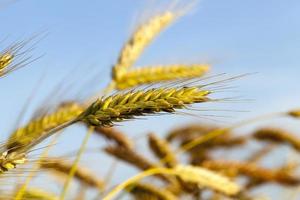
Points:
(279, 136)
(253, 171)
(81, 174)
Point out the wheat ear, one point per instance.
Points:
(279, 136)
(149, 75)
(207, 178)
(148, 191)
(36, 127)
(81, 174)
(130, 156)
(105, 111)
(139, 40)
(253, 171)
(294, 113)
(162, 149)
(198, 175)
(9, 160)
(114, 135)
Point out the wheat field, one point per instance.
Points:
(149, 100)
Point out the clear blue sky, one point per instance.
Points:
(236, 36)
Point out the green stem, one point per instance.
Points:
(75, 164)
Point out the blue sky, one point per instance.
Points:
(235, 36)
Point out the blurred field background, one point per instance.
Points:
(84, 39)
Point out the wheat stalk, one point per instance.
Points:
(279, 136)
(33, 193)
(155, 74)
(139, 40)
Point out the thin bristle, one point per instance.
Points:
(155, 74)
(16, 55)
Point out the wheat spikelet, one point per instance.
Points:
(294, 113)
(189, 131)
(279, 136)
(35, 128)
(146, 75)
(207, 178)
(139, 40)
(113, 134)
(105, 111)
(9, 161)
(5, 60)
(253, 171)
(83, 175)
(130, 156)
(162, 150)
(143, 191)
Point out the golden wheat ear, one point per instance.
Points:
(144, 34)
(156, 74)
(161, 149)
(25, 135)
(278, 136)
(119, 107)
(83, 175)
(18, 54)
(148, 191)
